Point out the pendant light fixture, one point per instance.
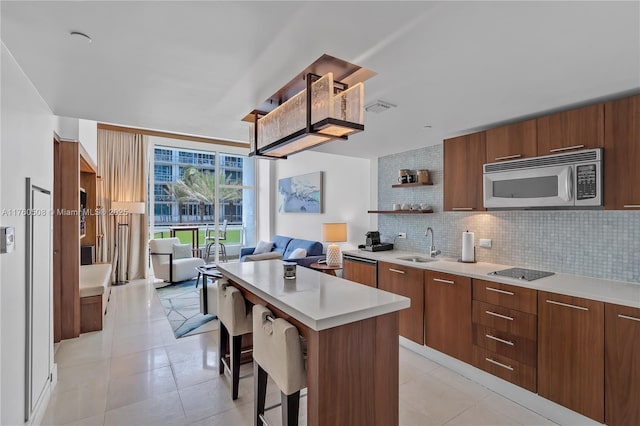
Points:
(312, 109)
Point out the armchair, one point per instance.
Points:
(166, 266)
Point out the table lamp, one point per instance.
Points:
(124, 208)
(334, 233)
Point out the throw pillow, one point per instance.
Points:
(298, 253)
(263, 247)
(262, 256)
(181, 251)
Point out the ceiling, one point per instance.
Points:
(199, 67)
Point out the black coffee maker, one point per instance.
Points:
(373, 238)
(373, 242)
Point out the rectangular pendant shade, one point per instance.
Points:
(290, 128)
(322, 103)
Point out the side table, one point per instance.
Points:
(323, 267)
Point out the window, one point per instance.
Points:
(225, 188)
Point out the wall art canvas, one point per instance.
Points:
(300, 194)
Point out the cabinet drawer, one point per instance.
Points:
(509, 296)
(505, 319)
(509, 345)
(505, 368)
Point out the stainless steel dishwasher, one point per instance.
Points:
(360, 270)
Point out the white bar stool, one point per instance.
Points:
(277, 352)
(235, 321)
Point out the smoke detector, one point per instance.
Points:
(379, 106)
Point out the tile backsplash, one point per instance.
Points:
(595, 243)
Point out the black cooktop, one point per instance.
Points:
(522, 274)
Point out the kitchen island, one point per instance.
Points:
(352, 339)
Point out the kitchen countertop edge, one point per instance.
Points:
(318, 324)
(609, 291)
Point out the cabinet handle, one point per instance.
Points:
(444, 281)
(631, 206)
(497, 339)
(566, 305)
(510, 293)
(462, 208)
(566, 148)
(396, 270)
(359, 260)
(508, 157)
(499, 364)
(499, 315)
(629, 318)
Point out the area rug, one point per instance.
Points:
(181, 302)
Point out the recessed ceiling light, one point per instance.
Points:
(78, 34)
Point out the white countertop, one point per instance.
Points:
(316, 299)
(618, 292)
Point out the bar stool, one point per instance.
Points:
(277, 352)
(235, 321)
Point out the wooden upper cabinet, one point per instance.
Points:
(511, 142)
(622, 154)
(464, 157)
(581, 128)
(571, 353)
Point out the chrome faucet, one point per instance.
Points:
(432, 251)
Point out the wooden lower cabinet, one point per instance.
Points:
(571, 353)
(509, 296)
(407, 282)
(448, 314)
(506, 368)
(362, 271)
(505, 332)
(622, 365)
(504, 319)
(516, 347)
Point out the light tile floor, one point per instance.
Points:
(135, 372)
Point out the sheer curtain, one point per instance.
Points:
(123, 165)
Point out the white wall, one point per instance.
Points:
(26, 148)
(67, 127)
(84, 131)
(347, 189)
(88, 137)
(265, 174)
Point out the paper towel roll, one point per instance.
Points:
(468, 254)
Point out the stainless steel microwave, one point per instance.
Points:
(560, 180)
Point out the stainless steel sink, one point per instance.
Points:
(416, 259)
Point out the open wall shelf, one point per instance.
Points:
(400, 211)
(404, 185)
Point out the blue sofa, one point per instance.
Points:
(286, 245)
